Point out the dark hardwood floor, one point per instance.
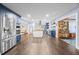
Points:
(42, 46)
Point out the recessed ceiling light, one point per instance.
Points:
(29, 15)
(47, 15)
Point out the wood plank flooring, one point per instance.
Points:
(42, 46)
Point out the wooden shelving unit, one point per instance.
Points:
(63, 29)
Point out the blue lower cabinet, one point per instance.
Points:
(18, 38)
(53, 33)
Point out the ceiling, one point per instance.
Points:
(39, 10)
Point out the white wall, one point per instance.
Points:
(77, 31)
(72, 26)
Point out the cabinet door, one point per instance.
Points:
(8, 25)
(14, 41)
(2, 20)
(8, 44)
(4, 47)
(0, 27)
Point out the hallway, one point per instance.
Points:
(39, 29)
(42, 46)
